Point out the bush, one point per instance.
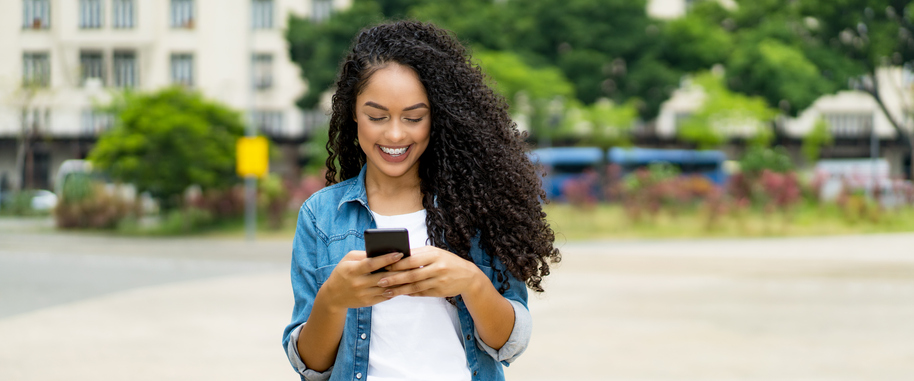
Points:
(188, 220)
(89, 205)
(18, 204)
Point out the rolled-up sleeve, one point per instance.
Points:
(304, 288)
(523, 320)
(517, 342)
(295, 359)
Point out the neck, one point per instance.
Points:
(392, 196)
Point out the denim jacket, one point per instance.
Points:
(330, 224)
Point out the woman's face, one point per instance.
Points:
(394, 122)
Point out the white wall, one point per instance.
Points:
(221, 43)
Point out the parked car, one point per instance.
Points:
(43, 200)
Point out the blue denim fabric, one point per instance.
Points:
(330, 224)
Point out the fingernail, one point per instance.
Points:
(383, 282)
(398, 256)
(388, 293)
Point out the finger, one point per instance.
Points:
(414, 261)
(410, 288)
(372, 264)
(400, 278)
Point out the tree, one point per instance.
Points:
(606, 48)
(166, 141)
(318, 47)
(791, 53)
(527, 89)
(722, 111)
(869, 35)
(814, 141)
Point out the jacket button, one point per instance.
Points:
(474, 372)
(358, 375)
(364, 336)
(468, 337)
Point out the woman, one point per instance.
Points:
(418, 140)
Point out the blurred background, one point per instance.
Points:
(742, 167)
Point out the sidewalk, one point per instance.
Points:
(837, 308)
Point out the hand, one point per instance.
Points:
(430, 271)
(352, 285)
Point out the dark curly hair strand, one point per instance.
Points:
(475, 177)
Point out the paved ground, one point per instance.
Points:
(838, 308)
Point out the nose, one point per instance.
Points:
(396, 132)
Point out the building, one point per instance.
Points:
(64, 56)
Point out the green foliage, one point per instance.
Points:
(185, 221)
(692, 43)
(165, 141)
(603, 124)
(319, 47)
(724, 110)
(512, 75)
(757, 159)
(813, 142)
(18, 204)
(779, 72)
(316, 151)
(77, 187)
(606, 48)
(656, 173)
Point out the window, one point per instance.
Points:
(321, 9)
(267, 122)
(36, 14)
(95, 122)
(182, 69)
(263, 71)
(122, 14)
(849, 124)
(182, 14)
(262, 14)
(90, 14)
(36, 69)
(92, 65)
(125, 69)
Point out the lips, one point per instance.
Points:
(394, 154)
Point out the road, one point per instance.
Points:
(91, 307)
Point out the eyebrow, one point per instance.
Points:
(413, 107)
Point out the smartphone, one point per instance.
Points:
(383, 241)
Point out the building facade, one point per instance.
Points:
(67, 56)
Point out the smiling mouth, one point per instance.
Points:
(394, 151)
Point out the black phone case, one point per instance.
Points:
(383, 241)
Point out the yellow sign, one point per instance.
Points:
(252, 157)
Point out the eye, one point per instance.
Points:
(414, 120)
(373, 119)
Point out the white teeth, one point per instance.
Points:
(394, 151)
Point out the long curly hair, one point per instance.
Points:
(475, 177)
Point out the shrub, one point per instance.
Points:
(86, 204)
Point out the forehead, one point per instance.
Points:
(392, 85)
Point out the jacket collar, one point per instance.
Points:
(356, 191)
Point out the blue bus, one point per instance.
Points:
(566, 163)
(707, 163)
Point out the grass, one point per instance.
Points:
(610, 221)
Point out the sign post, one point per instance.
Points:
(252, 161)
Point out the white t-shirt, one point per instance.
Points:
(414, 338)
